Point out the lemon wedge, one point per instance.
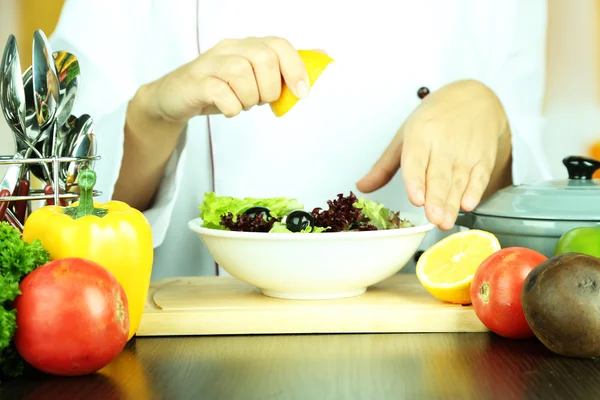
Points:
(315, 63)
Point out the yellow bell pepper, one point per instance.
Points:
(112, 234)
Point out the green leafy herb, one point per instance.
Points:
(17, 259)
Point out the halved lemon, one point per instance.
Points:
(315, 62)
(446, 269)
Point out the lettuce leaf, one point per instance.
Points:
(213, 207)
(380, 216)
(279, 227)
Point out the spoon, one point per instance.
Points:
(12, 98)
(12, 93)
(12, 102)
(67, 67)
(79, 143)
(45, 81)
(82, 145)
(40, 139)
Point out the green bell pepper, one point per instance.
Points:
(584, 240)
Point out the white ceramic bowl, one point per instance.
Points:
(314, 266)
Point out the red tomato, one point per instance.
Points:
(72, 317)
(496, 291)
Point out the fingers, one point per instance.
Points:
(254, 69)
(467, 186)
(478, 182)
(438, 182)
(220, 95)
(385, 168)
(291, 65)
(238, 73)
(432, 176)
(415, 159)
(460, 180)
(266, 71)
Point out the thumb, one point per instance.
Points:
(385, 168)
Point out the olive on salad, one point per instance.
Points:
(299, 220)
(252, 212)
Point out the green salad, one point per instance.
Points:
(287, 215)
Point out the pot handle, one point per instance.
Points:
(465, 219)
(581, 168)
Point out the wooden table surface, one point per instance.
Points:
(370, 366)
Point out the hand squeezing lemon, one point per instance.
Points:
(315, 62)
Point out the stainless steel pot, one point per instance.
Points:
(536, 215)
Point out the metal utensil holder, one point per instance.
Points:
(36, 194)
(57, 188)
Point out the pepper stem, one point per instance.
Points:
(87, 180)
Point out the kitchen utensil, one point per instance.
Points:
(44, 142)
(67, 68)
(12, 94)
(8, 185)
(12, 97)
(79, 141)
(3, 204)
(20, 207)
(42, 171)
(227, 306)
(12, 219)
(45, 80)
(45, 93)
(67, 135)
(81, 145)
(317, 265)
(23, 150)
(30, 115)
(536, 215)
(48, 190)
(48, 144)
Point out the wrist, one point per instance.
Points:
(144, 117)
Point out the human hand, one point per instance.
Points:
(454, 149)
(232, 76)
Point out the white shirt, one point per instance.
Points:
(384, 52)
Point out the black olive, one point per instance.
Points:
(299, 220)
(252, 212)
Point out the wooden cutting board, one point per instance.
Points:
(227, 306)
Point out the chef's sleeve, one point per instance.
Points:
(516, 73)
(105, 37)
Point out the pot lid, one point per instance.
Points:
(575, 198)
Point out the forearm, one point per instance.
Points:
(148, 145)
